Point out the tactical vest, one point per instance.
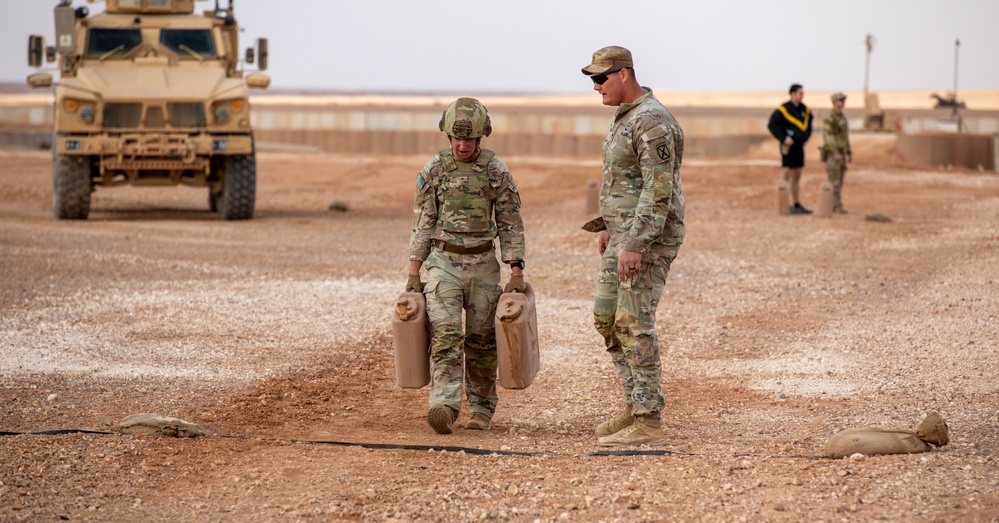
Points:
(465, 194)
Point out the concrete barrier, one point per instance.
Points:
(970, 151)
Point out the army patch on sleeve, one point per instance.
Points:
(663, 151)
(659, 144)
(420, 182)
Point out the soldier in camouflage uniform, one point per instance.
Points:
(465, 197)
(836, 149)
(641, 229)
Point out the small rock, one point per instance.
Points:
(339, 206)
(52, 397)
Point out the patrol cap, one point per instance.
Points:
(607, 58)
(838, 96)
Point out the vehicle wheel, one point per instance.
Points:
(213, 200)
(71, 187)
(239, 187)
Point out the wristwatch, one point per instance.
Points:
(519, 264)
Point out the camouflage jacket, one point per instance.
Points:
(467, 205)
(641, 197)
(836, 134)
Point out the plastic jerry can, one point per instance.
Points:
(411, 339)
(824, 209)
(518, 359)
(783, 198)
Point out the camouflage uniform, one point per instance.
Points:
(464, 205)
(641, 203)
(836, 139)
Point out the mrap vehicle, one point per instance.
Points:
(150, 94)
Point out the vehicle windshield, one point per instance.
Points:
(118, 42)
(187, 41)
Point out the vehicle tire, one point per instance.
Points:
(213, 200)
(71, 187)
(239, 187)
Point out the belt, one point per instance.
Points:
(447, 247)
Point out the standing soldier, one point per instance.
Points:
(641, 229)
(836, 149)
(791, 125)
(465, 197)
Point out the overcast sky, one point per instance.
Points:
(490, 46)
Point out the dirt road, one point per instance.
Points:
(777, 333)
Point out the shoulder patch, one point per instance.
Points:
(658, 140)
(420, 181)
(662, 151)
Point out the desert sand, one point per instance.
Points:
(776, 332)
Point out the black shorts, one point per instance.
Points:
(795, 158)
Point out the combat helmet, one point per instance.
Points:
(466, 118)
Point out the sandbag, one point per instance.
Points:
(158, 425)
(872, 441)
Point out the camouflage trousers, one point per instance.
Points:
(468, 283)
(624, 313)
(835, 173)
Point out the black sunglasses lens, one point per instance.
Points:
(599, 79)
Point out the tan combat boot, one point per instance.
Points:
(441, 418)
(646, 430)
(622, 420)
(478, 421)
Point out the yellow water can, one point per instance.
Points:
(518, 359)
(411, 340)
(825, 207)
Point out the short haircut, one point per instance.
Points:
(794, 88)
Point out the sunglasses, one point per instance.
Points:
(599, 79)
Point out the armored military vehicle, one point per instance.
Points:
(150, 94)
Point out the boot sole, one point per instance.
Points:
(441, 419)
(652, 442)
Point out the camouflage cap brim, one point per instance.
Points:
(608, 58)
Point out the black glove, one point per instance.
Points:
(516, 284)
(413, 284)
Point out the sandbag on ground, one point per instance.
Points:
(871, 441)
(157, 425)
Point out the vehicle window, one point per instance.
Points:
(102, 41)
(197, 40)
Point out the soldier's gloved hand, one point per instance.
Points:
(516, 284)
(413, 284)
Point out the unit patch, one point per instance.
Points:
(662, 151)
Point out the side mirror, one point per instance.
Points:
(36, 50)
(258, 80)
(39, 80)
(262, 54)
(249, 55)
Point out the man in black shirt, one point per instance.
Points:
(791, 125)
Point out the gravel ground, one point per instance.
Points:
(777, 332)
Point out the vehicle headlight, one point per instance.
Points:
(87, 114)
(225, 111)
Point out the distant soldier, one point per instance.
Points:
(465, 197)
(791, 125)
(641, 228)
(836, 149)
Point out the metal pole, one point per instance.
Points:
(957, 45)
(869, 42)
